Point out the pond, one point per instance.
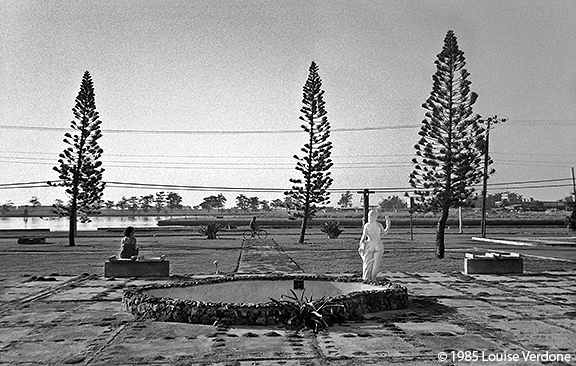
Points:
(246, 300)
(61, 224)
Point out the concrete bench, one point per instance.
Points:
(493, 263)
(31, 240)
(149, 267)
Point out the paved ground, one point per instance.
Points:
(79, 320)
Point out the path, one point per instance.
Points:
(265, 256)
(79, 320)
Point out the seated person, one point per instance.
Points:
(129, 249)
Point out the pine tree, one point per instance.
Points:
(79, 168)
(345, 200)
(450, 152)
(312, 189)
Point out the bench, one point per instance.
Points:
(31, 240)
(149, 267)
(493, 263)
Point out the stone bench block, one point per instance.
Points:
(138, 268)
(31, 240)
(493, 263)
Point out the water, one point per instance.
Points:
(62, 224)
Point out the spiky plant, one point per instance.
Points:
(210, 230)
(332, 229)
(307, 313)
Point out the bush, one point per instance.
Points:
(571, 220)
(332, 229)
(210, 230)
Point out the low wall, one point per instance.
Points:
(353, 305)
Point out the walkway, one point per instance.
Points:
(79, 320)
(265, 256)
(56, 320)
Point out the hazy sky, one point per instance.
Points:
(165, 71)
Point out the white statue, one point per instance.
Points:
(371, 247)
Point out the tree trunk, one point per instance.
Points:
(303, 228)
(72, 228)
(440, 230)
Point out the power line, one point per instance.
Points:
(210, 156)
(533, 181)
(494, 186)
(205, 132)
(510, 122)
(211, 165)
(19, 184)
(554, 163)
(528, 153)
(217, 165)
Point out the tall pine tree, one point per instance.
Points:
(449, 154)
(79, 167)
(314, 164)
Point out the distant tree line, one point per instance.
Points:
(159, 202)
(245, 203)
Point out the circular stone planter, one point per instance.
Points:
(245, 300)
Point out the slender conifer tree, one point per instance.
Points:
(314, 164)
(449, 154)
(79, 167)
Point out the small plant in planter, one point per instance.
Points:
(332, 229)
(571, 220)
(306, 313)
(210, 230)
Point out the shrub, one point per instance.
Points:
(332, 229)
(210, 230)
(306, 313)
(571, 220)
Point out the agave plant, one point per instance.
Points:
(332, 229)
(210, 230)
(307, 313)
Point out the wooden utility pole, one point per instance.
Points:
(485, 181)
(411, 210)
(485, 178)
(574, 188)
(366, 198)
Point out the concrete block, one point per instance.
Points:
(31, 240)
(138, 268)
(493, 263)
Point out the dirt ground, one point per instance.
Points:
(193, 254)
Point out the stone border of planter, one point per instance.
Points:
(354, 304)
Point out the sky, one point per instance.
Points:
(199, 97)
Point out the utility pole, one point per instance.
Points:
(411, 210)
(574, 188)
(489, 120)
(365, 197)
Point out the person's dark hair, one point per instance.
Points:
(129, 230)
